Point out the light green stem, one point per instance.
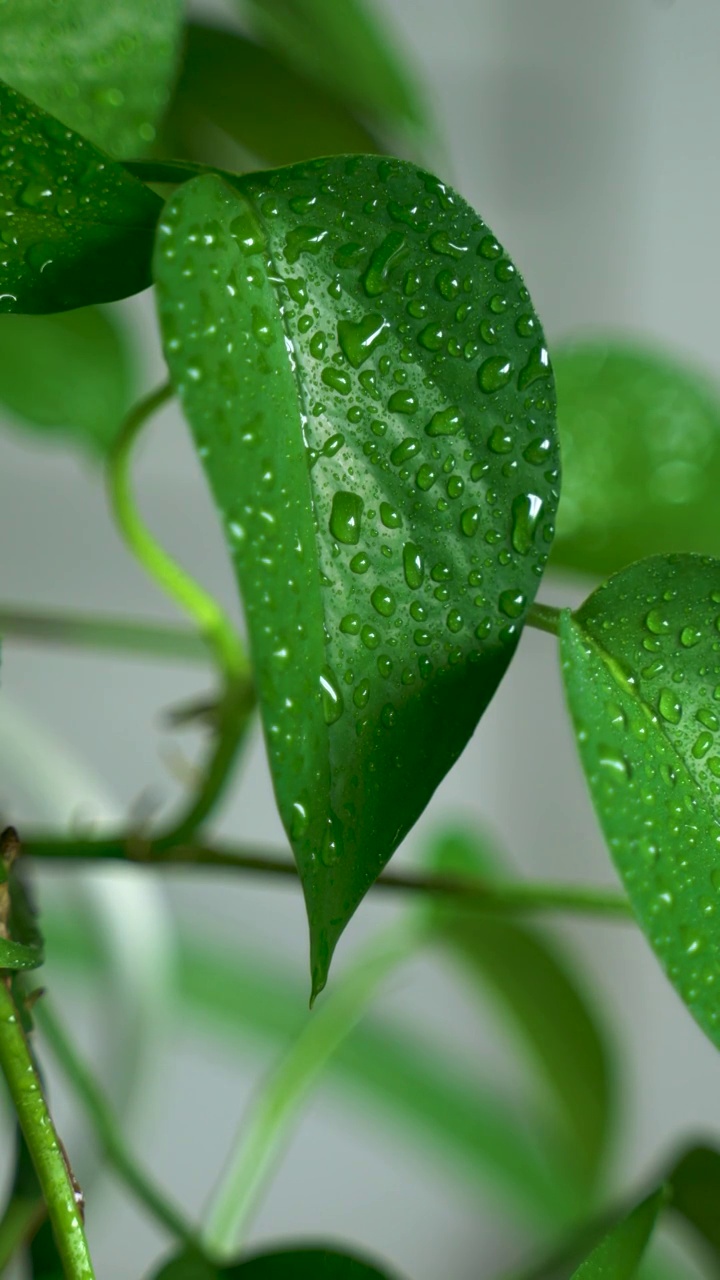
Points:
(146, 639)
(268, 1124)
(545, 617)
(18, 1067)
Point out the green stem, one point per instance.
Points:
(270, 1118)
(545, 617)
(47, 1155)
(214, 626)
(107, 1130)
(146, 639)
(166, 172)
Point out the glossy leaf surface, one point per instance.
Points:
(77, 228)
(640, 436)
(104, 69)
(343, 47)
(67, 375)
(286, 1264)
(642, 674)
(535, 988)
(388, 551)
(620, 1253)
(266, 107)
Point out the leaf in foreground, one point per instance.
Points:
(77, 228)
(304, 1263)
(105, 69)
(642, 675)
(359, 312)
(640, 435)
(620, 1253)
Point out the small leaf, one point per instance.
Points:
(67, 375)
(304, 1263)
(640, 435)
(642, 677)
(267, 108)
(696, 1193)
(77, 228)
(535, 987)
(14, 955)
(620, 1253)
(344, 48)
(388, 552)
(104, 70)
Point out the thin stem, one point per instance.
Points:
(545, 617)
(107, 1131)
(23, 1080)
(146, 639)
(267, 1127)
(214, 626)
(166, 172)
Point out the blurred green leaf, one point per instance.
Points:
(344, 48)
(104, 69)
(619, 1254)
(300, 1263)
(69, 375)
(271, 111)
(640, 439)
(400, 657)
(641, 674)
(78, 228)
(696, 1193)
(535, 988)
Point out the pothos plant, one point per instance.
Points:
(371, 398)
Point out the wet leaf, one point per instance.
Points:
(77, 228)
(343, 47)
(388, 551)
(642, 677)
(266, 107)
(620, 1253)
(105, 70)
(535, 988)
(640, 436)
(303, 1263)
(67, 375)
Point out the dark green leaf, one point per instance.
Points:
(619, 1254)
(67, 374)
(262, 104)
(104, 69)
(304, 1263)
(77, 228)
(344, 48)
(361, 313)
(640, 435)
(642, 676)
(696, 1193)
(536, 988)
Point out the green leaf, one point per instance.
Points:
(68, 375)
(640, 435)
(360, 312)
(303, 1263)
(77, 228)
(535, 987)
(696, 1193)
(262, 104)
(105, 70)
(619, 1254)
(344, 48)
(642, 678)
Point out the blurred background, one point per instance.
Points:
(586, 136)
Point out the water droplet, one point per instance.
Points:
(702, 745)
(609, 758)
(690, 636)
(383, 601)
(656, 622)
(432, 337)
(247, 233)
(350, 624)
(303, 240)
(413, 566)
(358, 341)
(299, 820)
(526, 508)
(500, 441)
(494, 374)
(370, 637)
(447, 284)
(538, 366)
(346, 517)
(361, 696)
(470, 521)
(422, 638)
(331, 847)
(538, 452)
(489, 248)
(360, 563)
(708, 718)
(512, 603)
(337, 379)
(446, 422)
(426, 477)
(669, 707)
(332, 699)
(388, 716)
(403, 402)
(454, 621)
(384, 665)
(404, 451)
(382, 262)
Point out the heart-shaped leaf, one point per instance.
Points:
(67, 375)
(640, 436)
(254, 98)
(76, 227)
(370, 394)
(642, 675)
(104, 69)
(305, 1263)
(620, 1253)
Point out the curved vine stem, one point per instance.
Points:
(544, 617)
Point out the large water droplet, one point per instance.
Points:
(358, 341)
(413, 566)
(346, 517)
(332, 699)
(526, 508)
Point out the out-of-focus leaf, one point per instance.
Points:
(619, 1254)
(270, 110)
(77, 228)
(411, 506)
(696, 1193)
(68, 375)
(642, 672)
(23, 947)
(640, 438)
(299, 1263)
(534, 985)
(344, 48)
(103, 67)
